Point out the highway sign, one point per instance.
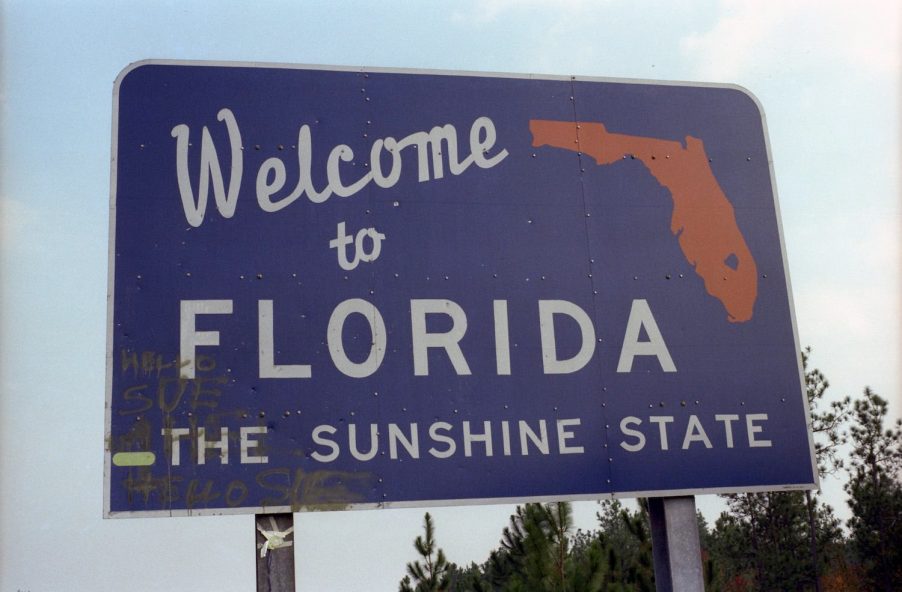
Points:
(342, 288)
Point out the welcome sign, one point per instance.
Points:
(345, 288)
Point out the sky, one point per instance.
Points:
(827, 74)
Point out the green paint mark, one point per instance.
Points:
(134, 459)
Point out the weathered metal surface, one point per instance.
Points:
(340, 288)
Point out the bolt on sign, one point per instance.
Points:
(340, 288)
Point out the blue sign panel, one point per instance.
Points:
(348, 288)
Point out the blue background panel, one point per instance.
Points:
(543, 224)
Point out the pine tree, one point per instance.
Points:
(769, 541)
(434, 573)
(875, 494)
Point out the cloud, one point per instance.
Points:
(756, 36)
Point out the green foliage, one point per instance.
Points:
(626, 538)
(770, 541)
(875, 494)
(763, 542)
(433, 574)
(827, 420)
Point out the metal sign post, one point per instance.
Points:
(274, 552)
(675, 544)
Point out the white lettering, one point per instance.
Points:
(563, 434)
(318, 439)
(222, 444)
(395, 435)
(754, 429)
(266, 348)
(374, 442)
(190, 337)
(662, 421)
(541, 442)
(695, 433)
(174, 435)
(550, 361)
(449, 341)
(485, 437)
(209, 168)
(441, 438)
(639, 436)
(502, 339)
(728, 426)
(336, 343)
(247, 443)
(640, 316)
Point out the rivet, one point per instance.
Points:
(281, 147)
(259, 276)
(262, 414)
(395, 204)
(682, 403)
